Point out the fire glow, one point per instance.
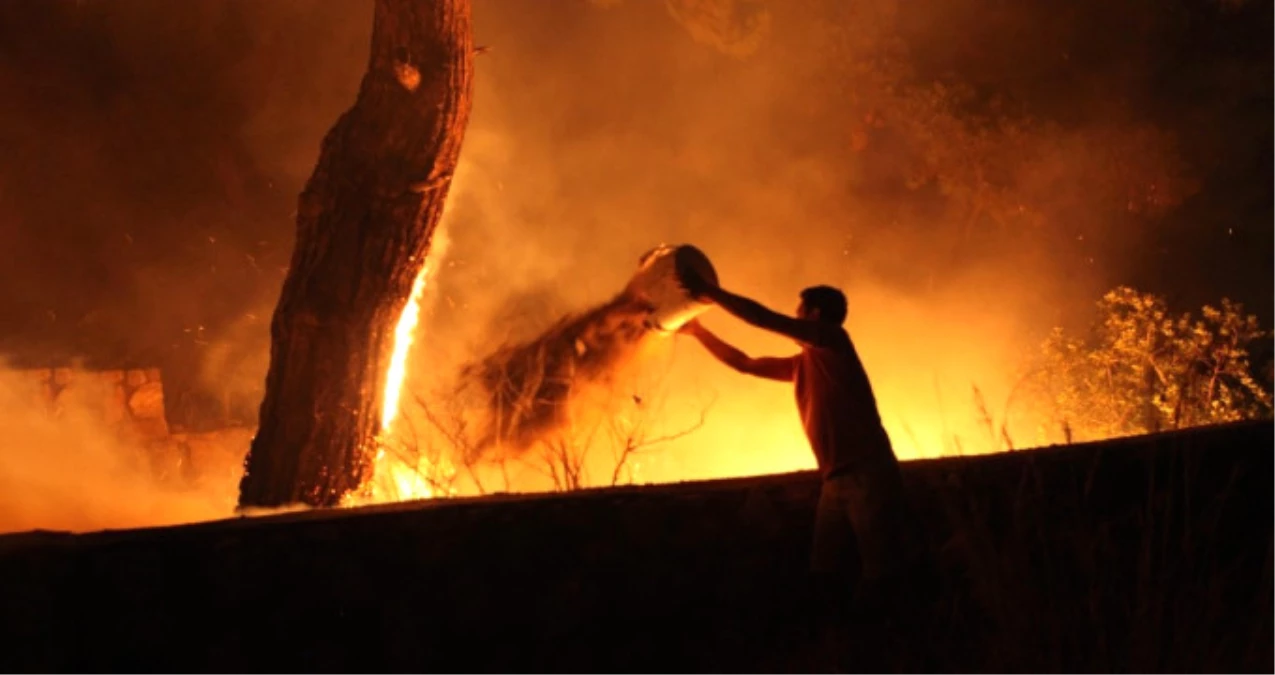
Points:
(760, 424)
(394, 478)
(404, 333)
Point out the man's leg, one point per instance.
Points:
(890, 545)
(831, 554)
(832, 575)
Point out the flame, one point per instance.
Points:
(394, 478)
(400, 472)
(404, 333)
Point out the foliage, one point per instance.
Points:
(1143, 369)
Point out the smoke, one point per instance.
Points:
(970, 173)
(152, 157)
(70, 466)
(962, 222)
(617, 154)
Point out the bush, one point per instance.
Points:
(1142, 369)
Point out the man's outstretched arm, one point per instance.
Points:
(811, 332)
(772, 368)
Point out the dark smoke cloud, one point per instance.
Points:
(153, 150)
(152, 154)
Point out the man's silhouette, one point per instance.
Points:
(862, 497)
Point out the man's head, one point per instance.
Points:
(823, 303)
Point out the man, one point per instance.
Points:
(861, 498)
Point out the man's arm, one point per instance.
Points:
(815, 333)
(772, 368)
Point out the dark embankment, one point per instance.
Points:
(1146, 554)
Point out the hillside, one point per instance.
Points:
(1144, 554)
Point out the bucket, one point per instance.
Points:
(659, 281)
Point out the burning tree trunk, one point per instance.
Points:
(364, 224)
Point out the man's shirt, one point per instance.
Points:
(838, 409)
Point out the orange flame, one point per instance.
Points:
(404, 333)
(394, 477)
(400, 472)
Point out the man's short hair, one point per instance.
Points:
(830, 302)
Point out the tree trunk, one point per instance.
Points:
(364, 224)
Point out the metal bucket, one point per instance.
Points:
(659, 282)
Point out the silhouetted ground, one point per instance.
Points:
(1147, 554)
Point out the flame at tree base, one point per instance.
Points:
(404, 333)
(400, 472)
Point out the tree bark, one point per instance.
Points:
(364, 224)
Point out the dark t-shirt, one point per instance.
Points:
(837, 407)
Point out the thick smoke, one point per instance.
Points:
(152, 157)
(679, 146)
(970, 172)
(597, 135)
(70, 465)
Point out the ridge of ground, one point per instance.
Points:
(1140, 554)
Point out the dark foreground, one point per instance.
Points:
(1148, 554)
